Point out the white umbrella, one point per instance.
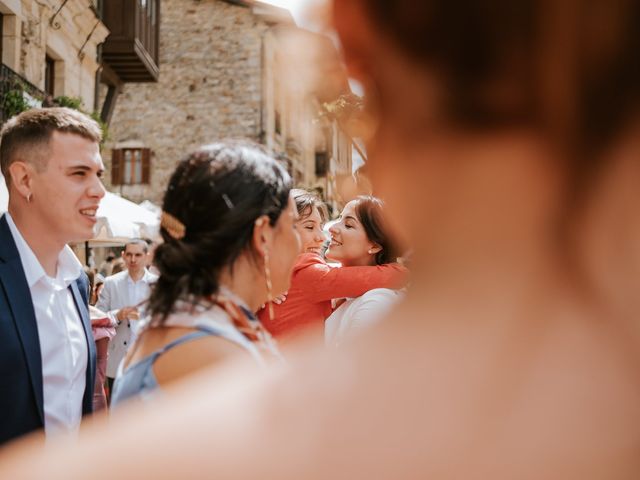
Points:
(152, 207)
(119, 218)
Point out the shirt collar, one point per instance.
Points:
(69, 267)
(146, 277)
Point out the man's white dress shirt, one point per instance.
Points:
(63, 344)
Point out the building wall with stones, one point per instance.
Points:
(210, 87)
(219, 78)
(69, 35)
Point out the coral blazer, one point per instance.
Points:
(314, 283)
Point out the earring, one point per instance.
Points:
(29, 197)
(267, 278)
(370, 252)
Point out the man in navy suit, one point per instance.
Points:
(50, 159)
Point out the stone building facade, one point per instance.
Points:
(219, 78)
(53, 45)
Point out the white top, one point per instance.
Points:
(121, 291)
(357, 314)
(63, 344)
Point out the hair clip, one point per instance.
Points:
(174, 227)
(228, 201)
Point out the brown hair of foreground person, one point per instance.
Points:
(507, 148)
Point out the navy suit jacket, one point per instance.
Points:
(21, 392)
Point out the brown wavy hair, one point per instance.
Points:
(370, 213)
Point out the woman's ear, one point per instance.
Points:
(262, 234)
(375, 248)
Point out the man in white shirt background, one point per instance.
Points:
(121, 297)
(50, 159)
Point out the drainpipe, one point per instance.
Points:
(262, 135)
(96, 89)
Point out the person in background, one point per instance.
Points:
(360, 237)
(98, 282)
(106, 267)
(314, 283)
(103, 330)
(229, 246)
(150, 254)
(121, 298)
(119, 265)
(50, 159)
(506, 144)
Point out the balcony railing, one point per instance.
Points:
(17, 94)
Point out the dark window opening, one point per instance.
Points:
(49, 75)
(278, 123)
(322, 164)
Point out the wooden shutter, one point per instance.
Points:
(116, 166)
(146, 166)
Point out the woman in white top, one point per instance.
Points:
(360, 238)
(229, 245)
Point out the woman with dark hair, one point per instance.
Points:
(360, 238)
(314, 283)
(229, 245)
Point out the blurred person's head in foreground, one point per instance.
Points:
(312, 215)
(227, 220)
(361, 236)
(492, 116)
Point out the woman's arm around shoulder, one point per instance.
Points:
(321, 281)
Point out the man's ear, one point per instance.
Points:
(262, 234)
(21, 176)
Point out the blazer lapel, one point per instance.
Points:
(13, 280)
(83, 310)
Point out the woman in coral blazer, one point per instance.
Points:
(315, 283)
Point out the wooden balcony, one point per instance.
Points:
(131, 49)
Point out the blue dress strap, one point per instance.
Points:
(139, 379)
(179, 341)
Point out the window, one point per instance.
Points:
(322, 164)
(49, 75)
(278, 126)
(130, 166)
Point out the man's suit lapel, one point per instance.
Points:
(81, 305)
(14, 282)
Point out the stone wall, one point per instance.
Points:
(210, 87)
(71, 40)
